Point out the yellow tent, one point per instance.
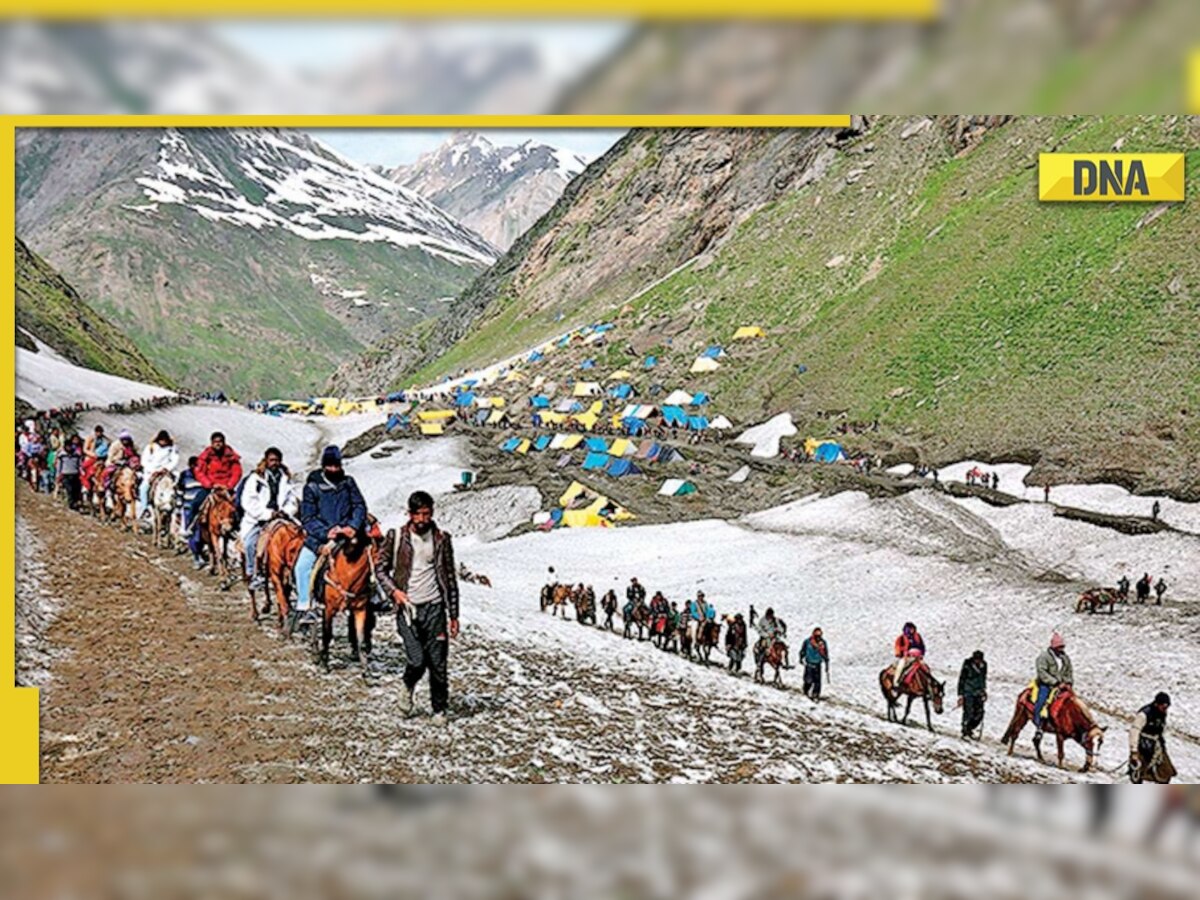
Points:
(705, 364)
(748, 331)
(587, 389)
(433, 429)
(621, 447)
(552, 418)
(572, 441)
(514, 376)
(572, 492)
(619, 375)
(435, 415)
(524, 446)
(811, 445)
(496, 417)
(582, 518)
(588, 420)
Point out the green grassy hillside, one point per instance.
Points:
(922, 284)
(51, 310)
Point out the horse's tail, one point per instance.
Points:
(1015, 724)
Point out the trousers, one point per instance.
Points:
(426, 648)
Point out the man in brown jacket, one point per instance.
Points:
(424, 584)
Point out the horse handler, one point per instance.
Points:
(424, 584)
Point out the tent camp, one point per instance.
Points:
(558, 442)
(676, 487)
(596, 461)
(435, 415)
(511, 444)
(542, 443)
(621, 391)
(496, 416)
(697, 423)
(720, 423)
(678, 398)
(597, 445)
(539, 401)
(705, 364)
(748, 331)
(669, 455)
(588, 389)
(432, 429)
(524, 446)
(465, 399)
(569, 406)
(699, 399)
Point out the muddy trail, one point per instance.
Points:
(153, 674)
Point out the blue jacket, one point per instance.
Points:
(327, 505)
(814, 655)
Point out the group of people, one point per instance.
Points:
(1143, 588)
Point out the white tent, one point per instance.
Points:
(720, 423)
(705, 364)
(678, 398)
(740, 476)
(558, 442)
(675, 487)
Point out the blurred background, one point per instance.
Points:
(1052, 56)
(727, 842)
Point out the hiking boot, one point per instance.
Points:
(308, 617)
(198, 563)
(405, 700)
(257, 583)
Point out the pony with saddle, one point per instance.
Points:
(124, 497)
(162, 507)
(707, 637)
(916, 683)
(584, 599)
(637, 615)
(345, 579)
(217, 521)
(1065, 716)
(774, 656)
(278, 548)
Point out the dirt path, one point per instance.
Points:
(157, 676)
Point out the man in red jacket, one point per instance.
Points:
(218, 466)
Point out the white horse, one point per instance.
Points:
(162, 507)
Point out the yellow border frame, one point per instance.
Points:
(19, 732)
(875, 10)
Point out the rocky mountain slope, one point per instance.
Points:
(498, 191)
(904, 272)
(253, 260)
(52, 312)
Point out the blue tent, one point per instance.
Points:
(619, 468)
(395, 397)
(566, 339)
(465, 399)
(713, 352)
(481, 417)
(596, 445)
(542, 443)
(651, 362)
(828, 452)
(511, 444)
(536, 357)
(801, 369)
(633, 426)
(697, 423)
(596, 461)
(600, 329)
(394, 421)
(541, 401)
(700, 399)
(674, 415)
(621, 391)
(471, 382)
(588, 364)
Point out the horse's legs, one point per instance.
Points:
(368, 630)
(907, 710)
(326, 636)
(360, 622)
(352, 633)
(928, 717)
(1061, 747)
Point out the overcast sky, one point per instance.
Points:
(393, 147)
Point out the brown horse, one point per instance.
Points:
(215, 521)
(917, 683)
(584, 599)
(1066, 717)
(708, 637)
(124, 497)
(278, 547)
(638, 617)
(772, 656)
(346, 582)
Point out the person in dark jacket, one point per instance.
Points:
(424, 584)
(68, 466)
(332, 506)
(972, 692)
(736, 641)
(1147, 741)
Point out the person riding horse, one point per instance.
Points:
(332, 507)
(908, 649)
(218, 466)
(159, 456)
(1054, 672)
(267, 494)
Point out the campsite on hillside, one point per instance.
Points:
(815, 456)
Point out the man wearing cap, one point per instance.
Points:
(972, 692)
(332, 507)
(424, 584)
(1147, 743)
(1054, 671)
